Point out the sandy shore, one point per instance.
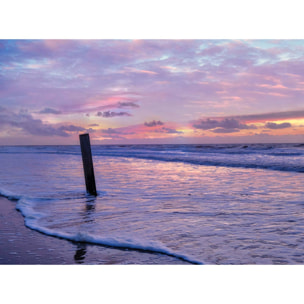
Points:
(21, 245)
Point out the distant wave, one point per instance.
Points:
(280, 157)
(212, 161)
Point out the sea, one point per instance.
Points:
(201, 204)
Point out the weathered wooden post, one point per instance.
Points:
(87, 163)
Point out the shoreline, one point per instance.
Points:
(20, 245)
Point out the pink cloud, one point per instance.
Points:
(269, 86)
(133, 70)
(236, 98)
(278, 94)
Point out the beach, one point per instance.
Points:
(20, 245)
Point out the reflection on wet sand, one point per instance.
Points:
(81, 251)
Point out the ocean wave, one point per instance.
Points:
(280, 157)
(32, 221)
(214, 160)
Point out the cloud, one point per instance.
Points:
(108, 114)
(153, 123)
(275, 126)
(49, 111)
(223, 130)
(271, 116)
(115, 133)
(168, 131)
(94, 125)
(133, 70)
(108, 76)
(226, 125)
(127, 104)
(206, 124)
(24, 121)
(109, 131)
(236, 123)
(90, 130)
(72, 128)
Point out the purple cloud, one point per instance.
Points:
(179, 79)
(275, 126)
(228, 130)
(153, 123)
(25, 122)
(127, 104)
(72, 128)
(110, 131)
(119, 104)
(271, 116)
(108, 114)
(115, 133)
(227, 125)
(49, 111)
(168, 131)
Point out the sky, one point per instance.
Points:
(151, 91)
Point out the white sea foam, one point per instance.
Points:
(9, 194)
(25, 206)
(32, 217)
(32, 221)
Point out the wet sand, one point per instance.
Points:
(20, 245)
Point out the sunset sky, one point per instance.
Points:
(151, 91)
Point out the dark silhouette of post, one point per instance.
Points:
(87, 163)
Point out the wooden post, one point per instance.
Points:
(87, 163)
